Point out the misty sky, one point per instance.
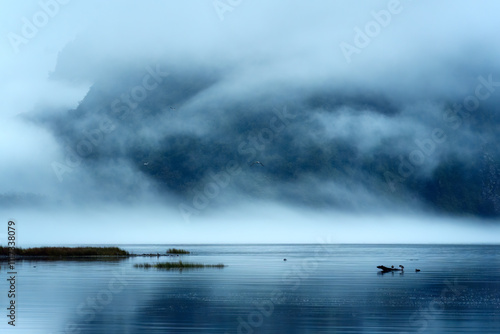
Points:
(139, 121)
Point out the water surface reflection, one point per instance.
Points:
(319, 289)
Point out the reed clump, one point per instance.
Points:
(178, 265)
(177, 251)
(65, 251)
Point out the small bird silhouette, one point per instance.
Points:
(146, 163)
(172, 108)
(257, 162)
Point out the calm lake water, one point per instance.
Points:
(319, 289)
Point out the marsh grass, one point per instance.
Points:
(178, 265)
(65, 251)
(177, 251)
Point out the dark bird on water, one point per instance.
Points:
(417, 270)
(257, 162)
(172, 108)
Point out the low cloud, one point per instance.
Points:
(164, 105)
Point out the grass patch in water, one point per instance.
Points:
(178, 265)
(177, 251)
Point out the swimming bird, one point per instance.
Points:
(284, 259)
(146, 163)
(257, 162)
(417, 270)
(402, 267)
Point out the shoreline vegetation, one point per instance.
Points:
(177, 251)
(64, 252)
(178, 265)
(76, 252)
